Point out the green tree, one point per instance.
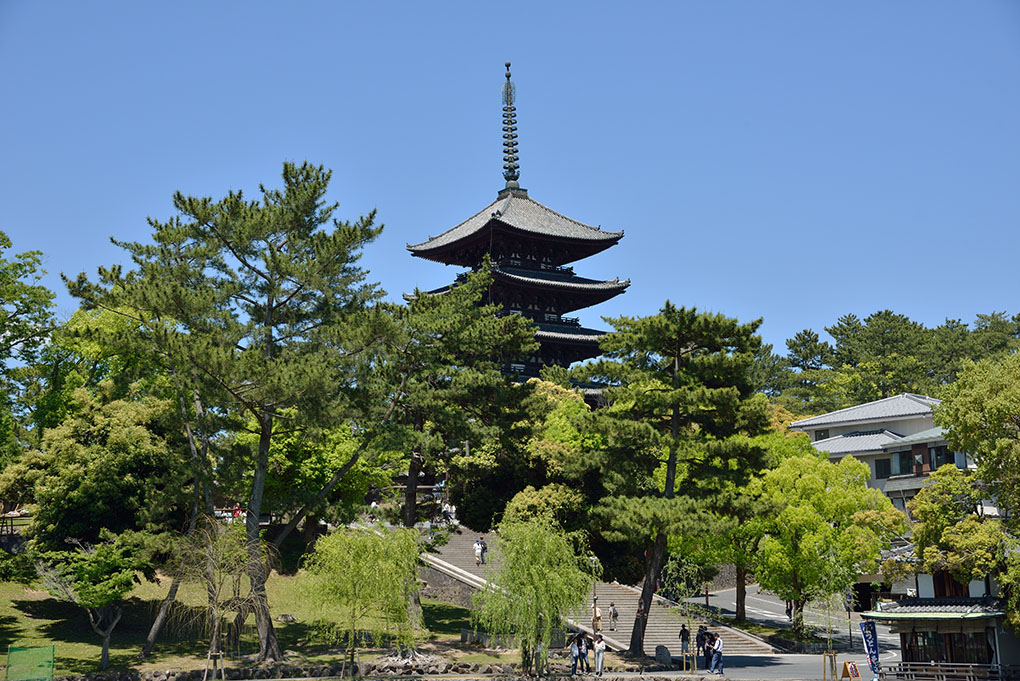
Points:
(738, 540)
(302, 463)
(679, 389)
(948, 346)
(980, 413)
(362, 581)
(25, 305)
(805, 351)
(109, 466)
(951, 531)
(441, 370)
(96, 579)
(825, 525)
(538, 576)
(259, 300)
(26, 319)
(995, 334)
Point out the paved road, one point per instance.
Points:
(789, 667)
(767, 609)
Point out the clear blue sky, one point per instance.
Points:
(789, 160)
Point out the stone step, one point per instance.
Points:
(663, 623)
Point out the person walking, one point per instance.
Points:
(596, 615)
(685, 639)
(708, 651)
(699, 641)
(789, 610)
(583, 649)
(485, 548)
(717, 661)
(613, 615)
(575, 654)
(478, 552)
(600, 654)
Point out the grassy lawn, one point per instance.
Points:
(764, 630)
(34, 618)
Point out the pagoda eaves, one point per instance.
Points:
(516, 219)
(528, 245)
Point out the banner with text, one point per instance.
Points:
(870, 635)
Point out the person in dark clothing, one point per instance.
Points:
(699, 642)
(709, 651)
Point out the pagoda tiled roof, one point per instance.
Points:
(514, 208)
(557, 280)
(575, 334)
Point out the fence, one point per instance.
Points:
(948, 671)
(29, 664)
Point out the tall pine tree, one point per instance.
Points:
(257, 299)
(679, 389)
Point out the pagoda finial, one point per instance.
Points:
(511, 171)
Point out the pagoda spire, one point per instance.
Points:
(511, 171)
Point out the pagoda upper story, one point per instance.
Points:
(529, 246)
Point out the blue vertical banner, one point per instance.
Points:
(870, 636)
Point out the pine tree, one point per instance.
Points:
(442, 371)
(255, 301)
(679, 388)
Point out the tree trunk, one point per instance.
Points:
(96, 617)
(320, 496)
(798, 617)
(741, 593)
(653, 564)
(164, 607)
(104, 657)
(269, 646)
(157, 624)
(411, 491)
(311, 529)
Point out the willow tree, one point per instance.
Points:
(257, 302)
(679, 389)
(361, 581)
(538, 576)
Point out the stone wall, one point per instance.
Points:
(442, 587)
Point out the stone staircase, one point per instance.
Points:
(663, 621)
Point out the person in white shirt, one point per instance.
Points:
(600, 654)
(717, 662)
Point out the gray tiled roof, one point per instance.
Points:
(898, 406)
(518, 210)
(929, 435)
(939, 608)
(568, 333)
(859, 441)
(558, 280)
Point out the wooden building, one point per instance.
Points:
(530, 247)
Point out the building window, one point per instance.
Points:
(883, 468)
(821, 435)
(940, 456)
(902, 463)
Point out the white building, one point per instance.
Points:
(895, 436)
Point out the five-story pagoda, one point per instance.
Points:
(530, 246)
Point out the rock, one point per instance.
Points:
(662, 656)
(286, 618)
